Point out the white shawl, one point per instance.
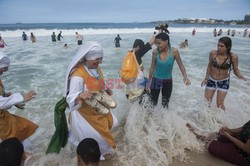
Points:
(4, 60)
(88, 51)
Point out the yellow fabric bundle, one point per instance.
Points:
(129, 70)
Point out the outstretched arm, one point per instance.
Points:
(152, 67)
(204, 82)
(144, 49)
(181, 66)
(152, 40)
(16, 98)
(243, 146)
(233, 132)
(235, 61)
(151, 70)
(76, 92)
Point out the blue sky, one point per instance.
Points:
(63, 11)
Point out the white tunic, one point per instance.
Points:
(8, 102)
(79, 127)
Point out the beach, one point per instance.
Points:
(145, 136)
(196, 159)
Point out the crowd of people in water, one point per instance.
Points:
(230, 32)
(54, 38)
(79, 37)
(90, 100)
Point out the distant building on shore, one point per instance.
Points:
(199, 21)
(247, 18)
(207, 21)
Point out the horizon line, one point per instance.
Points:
(19, 22)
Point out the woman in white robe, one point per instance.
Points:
(83, 77)
(12, 125)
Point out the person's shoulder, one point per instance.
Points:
(213, 52)
(234, 56)
(155, 51)
(175, 50)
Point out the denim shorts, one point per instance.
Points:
(221, 85)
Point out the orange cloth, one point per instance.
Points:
(14, 126)
(129, 69)
(101, 123)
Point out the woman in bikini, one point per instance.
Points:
(218, 71)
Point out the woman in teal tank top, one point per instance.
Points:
(160, 73)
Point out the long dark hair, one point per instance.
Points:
(164, 37)
(228, 43)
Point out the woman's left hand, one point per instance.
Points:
(242, 77)
(224, 133)
(186, 81)
(109, 92)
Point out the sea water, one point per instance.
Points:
(145, 136)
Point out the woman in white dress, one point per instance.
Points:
(12, 125)
(84, 76)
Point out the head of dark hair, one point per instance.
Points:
(227, 42)
(89, 151)
(138, 42)
(164, 37)
(11, 152)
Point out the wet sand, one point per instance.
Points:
(196, 159)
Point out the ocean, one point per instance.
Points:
(144, 136)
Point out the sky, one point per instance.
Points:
(118, 11)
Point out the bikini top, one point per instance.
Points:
(225, 65)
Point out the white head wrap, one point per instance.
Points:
(88, 51)
(4, 60)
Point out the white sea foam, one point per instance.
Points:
(91, 31)
(145, 136)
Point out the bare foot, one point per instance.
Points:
(201, 137)
(108, 156)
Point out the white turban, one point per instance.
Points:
(88, 51)
(4, 60)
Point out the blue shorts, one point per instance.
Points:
(221, 85)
